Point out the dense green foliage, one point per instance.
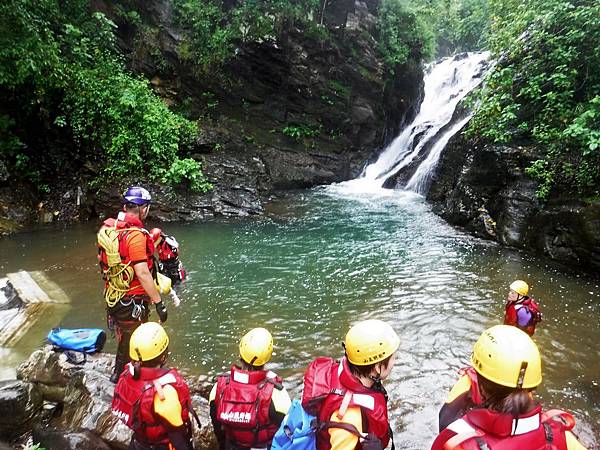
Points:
(214, 31)
(546, 89)
(59, 70)
(402, 32)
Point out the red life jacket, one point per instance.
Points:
(372, 403)
(133, 402)
(510, 314)
(243, 401)
(168, 248)
(484, 429)
(129, 222)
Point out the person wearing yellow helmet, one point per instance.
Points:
(152, 400)
(507, 368)
(248, 403)
(521, 310)
(359, 400)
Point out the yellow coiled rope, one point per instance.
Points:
(118, 275)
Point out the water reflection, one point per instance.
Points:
(321, 261)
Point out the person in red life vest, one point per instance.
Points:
(152, 400)
(521, 311)
(370, 353)
(248, 404)
(508, 368)
(125, 253)
(167, 248)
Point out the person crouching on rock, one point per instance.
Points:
(521, 311)
(152, 400)
(248, 403)
(508, 368)
(360, 400)
(168, 256)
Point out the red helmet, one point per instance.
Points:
(156, 234)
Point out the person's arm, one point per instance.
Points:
(217, 428)
(168, 408)
(280, 404)
(143, 274)
(456, 402)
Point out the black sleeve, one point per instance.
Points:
(179, 438)
(218, 429)
(454, 410)
(275, 416)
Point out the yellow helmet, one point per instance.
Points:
(507, 356)
(163, 283)
(256, 347)
(148, 341)
(370, 341)
(520, 287)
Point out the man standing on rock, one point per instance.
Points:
(126, 258)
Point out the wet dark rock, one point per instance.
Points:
(52, 438)
(477, 185)
(20, 403)
(81, 418)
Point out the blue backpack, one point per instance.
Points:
(84, 340)
(297, 430)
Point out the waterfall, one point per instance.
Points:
(447, 82)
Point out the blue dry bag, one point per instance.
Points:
(297, 430)
(86, 340)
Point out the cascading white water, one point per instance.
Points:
(446, 83)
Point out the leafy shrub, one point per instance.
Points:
(545, 89)
(187, 170)
(56, 56)
(402, 34)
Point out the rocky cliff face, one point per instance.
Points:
(329, 95)
(291, 112)
(483, 188)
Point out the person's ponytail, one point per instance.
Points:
(506, 400)
(137, 369)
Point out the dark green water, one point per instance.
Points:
(321, 260)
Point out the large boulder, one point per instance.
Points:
(484, 188)
(84, 396)
(20, 403)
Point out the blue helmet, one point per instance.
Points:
(137, 195)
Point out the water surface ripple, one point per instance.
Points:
(324, 259)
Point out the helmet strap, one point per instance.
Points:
(522, 371)
(376, 378)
